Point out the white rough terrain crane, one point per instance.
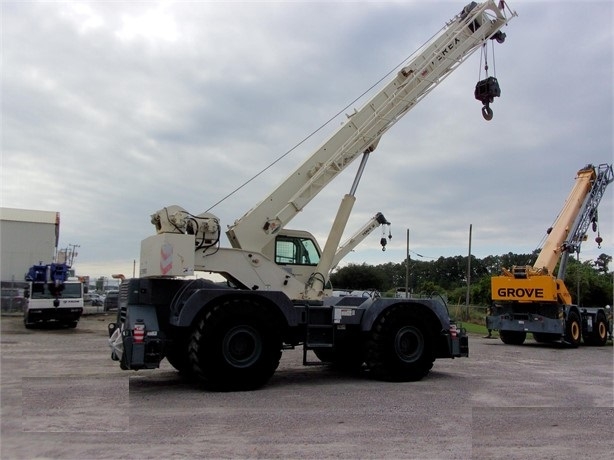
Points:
(231, 337)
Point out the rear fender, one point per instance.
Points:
(432, 310)
(448, 342)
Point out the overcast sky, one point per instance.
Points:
(113, 110)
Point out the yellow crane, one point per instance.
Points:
(532, 299)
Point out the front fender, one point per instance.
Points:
(186, 311)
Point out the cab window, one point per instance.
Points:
(296, 251)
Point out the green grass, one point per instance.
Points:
(474, 328)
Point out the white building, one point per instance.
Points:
(27, 237)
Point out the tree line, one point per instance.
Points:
(448, 276)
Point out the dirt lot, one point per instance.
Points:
(63, 398)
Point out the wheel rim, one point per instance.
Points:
(601, 329)
(242, 346)
(575, 330)
(409, 344)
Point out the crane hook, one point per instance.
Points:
(599, 240)
(383, 240)
(487, 112)
(485, 91)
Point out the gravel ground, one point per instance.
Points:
(63, 398)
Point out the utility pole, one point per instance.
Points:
(407, 269)
(468, 275)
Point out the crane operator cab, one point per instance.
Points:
(296, 251)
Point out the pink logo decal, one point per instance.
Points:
(166, 258)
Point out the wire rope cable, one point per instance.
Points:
(323, 125)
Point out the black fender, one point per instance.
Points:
(432, 309)
(186, 310)
(567, 309)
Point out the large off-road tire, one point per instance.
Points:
(573, 329)
(235, 346)
(400, 346)
(176, 353)
(512, 337)
(599, 336)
